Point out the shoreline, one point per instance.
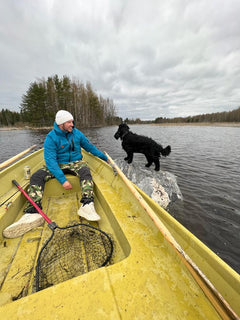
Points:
(24, 128)
(167, 124)
(200, 124)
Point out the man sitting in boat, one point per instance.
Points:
(62, 154)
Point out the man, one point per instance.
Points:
(62, 154)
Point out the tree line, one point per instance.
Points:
(45, 97)
(226, 116)
(9, 118)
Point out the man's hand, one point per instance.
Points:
(67, 185)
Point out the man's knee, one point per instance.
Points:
(38, 178)
(84, 173)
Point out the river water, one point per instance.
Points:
(204, 160)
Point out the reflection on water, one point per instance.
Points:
(205, 161)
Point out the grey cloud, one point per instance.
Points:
(155, 58)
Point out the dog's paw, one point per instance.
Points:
(126, 159)
(147, 165)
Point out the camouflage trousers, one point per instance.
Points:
(40, 177)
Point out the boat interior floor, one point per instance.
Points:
(18, 256)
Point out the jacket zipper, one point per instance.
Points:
(69, 148)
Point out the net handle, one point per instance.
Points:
(32, 202)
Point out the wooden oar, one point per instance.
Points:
(18, 156)
(220, 304)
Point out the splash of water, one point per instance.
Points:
(161, 186)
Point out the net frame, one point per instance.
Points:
(70, 264)
(53, 226)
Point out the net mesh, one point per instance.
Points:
(70, 252)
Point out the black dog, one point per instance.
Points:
(134, 143)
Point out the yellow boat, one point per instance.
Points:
(159, 269)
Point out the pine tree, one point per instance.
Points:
(44, 98)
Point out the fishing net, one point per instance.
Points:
(70, 252)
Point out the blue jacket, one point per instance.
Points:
(64, 147)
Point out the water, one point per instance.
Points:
(205, 161)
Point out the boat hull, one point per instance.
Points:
(146, 279)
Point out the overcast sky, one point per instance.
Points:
(154, 58)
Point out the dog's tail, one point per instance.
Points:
(165, 151)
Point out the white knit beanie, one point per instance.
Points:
(63, 116)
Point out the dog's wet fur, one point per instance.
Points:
(134, 143)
